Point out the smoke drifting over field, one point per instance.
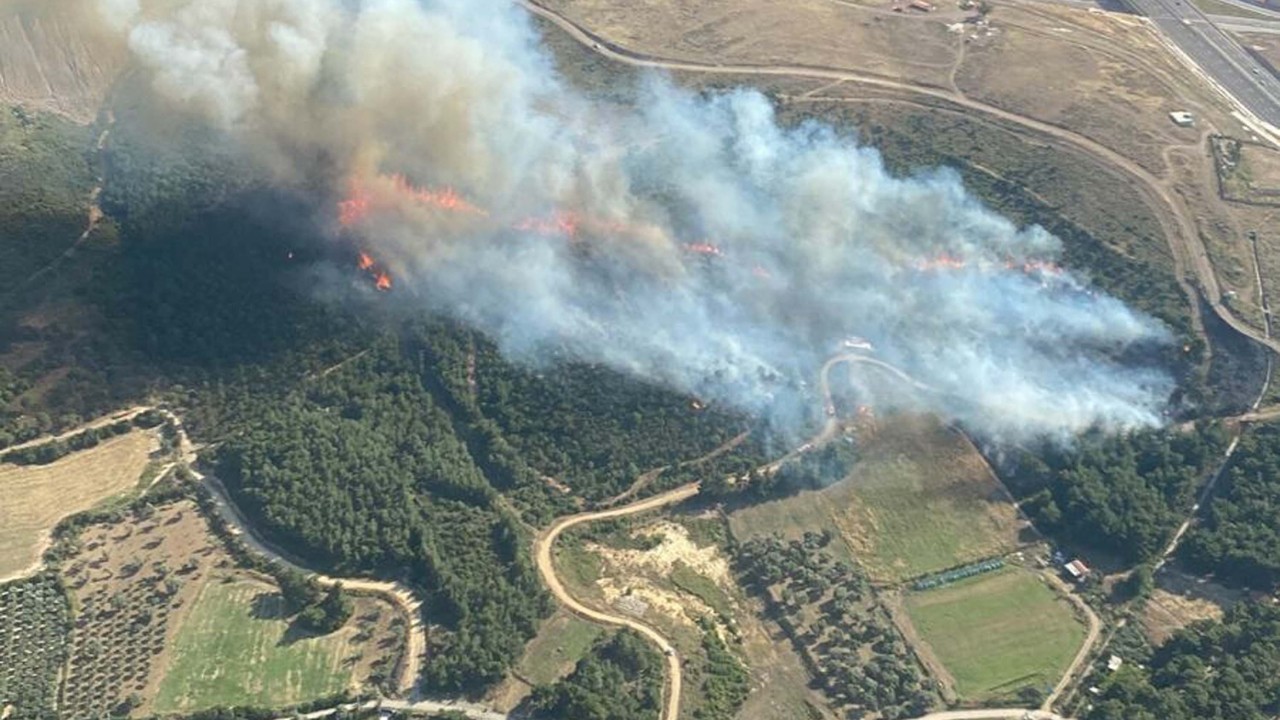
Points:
(686, 239)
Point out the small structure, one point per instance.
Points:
(921, 5)
(1182, 118)
(1114, 662)
(1077, 570)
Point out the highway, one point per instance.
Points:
(1216, 54)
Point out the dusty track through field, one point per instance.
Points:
(1184, 240)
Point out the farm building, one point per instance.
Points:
(1076, 570)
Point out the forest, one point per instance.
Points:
(1124, 494)
(1238, 538)
(1211, 670)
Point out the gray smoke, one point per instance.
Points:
(816, 242)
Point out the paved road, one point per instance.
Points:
(1271, 12)
(1217, 54)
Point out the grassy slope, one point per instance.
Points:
(998, 633)
(234, 650)
(919, 500)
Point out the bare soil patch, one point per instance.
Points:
(1180, 600)
(38, 496)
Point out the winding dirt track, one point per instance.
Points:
(399, 595)
(1184, 240)
(546, 568)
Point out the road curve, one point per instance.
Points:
(1185, 241)
(399, 595)
(542, 557)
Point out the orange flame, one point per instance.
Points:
(445, 198)
(562, 223)
(355, 207)
(382, 281)
(365, 262)
(704, 248)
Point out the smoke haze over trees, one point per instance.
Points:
(685, 239)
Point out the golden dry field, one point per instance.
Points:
(38, 496)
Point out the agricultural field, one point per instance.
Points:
(148, 587)
(237, 647)
(38, 496)
(920, 499)
(34, 622)
(998, 633)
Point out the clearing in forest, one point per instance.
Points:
(998, 633)
(154, 590)
(36, 497)
(919, 499)
(236, 647)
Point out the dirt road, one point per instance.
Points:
(126, 414)
(399, 595)
(1184, 239)
(542, 557)
(1077, 663)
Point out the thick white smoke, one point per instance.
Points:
(813, 240)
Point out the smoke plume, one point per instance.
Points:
(685, 238)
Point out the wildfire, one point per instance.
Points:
(561, 223)
(355, 207)
(359, 202)
(365, 262)
(704, 248)
(949, 262)
(445, 198)
(941, 262)
(382, 281)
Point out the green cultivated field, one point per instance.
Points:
(920, 499)
(233, 649)
(998, 633)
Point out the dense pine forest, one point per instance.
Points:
(1213, 670)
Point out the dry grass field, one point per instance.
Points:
(166, 622)
(920, 499)
(816, 33)
(53, 57)
(38, 496)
